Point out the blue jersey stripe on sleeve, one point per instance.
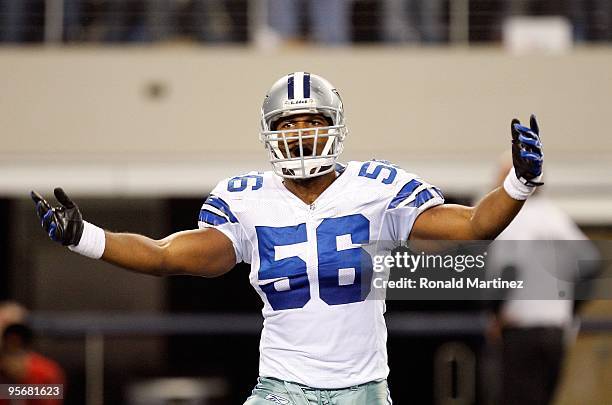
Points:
(222, 206)
(421, 198)
(211, 218)
(404, 193)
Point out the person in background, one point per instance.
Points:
(531, 331)
(22, 21)
(20, 364)
(12, 20)
(414, 21)
(329, 20)
(11, 312)
(591, 19)
(217, 21)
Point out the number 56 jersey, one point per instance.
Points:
(310, 267)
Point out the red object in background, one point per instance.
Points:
(40, 370)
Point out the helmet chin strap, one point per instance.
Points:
(288, 174)
(306, 168)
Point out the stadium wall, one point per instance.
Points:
(168, 120)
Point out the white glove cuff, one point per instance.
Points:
(515, 188)
(92, 243)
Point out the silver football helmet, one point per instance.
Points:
(303, 93)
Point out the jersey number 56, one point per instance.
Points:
(344, 271)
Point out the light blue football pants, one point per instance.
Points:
(270, 391)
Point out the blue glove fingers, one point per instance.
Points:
(531, 156)
(47, 220)
(535, 162)
(42, 209)
(38, 200)
(52, 234)
(530, 141)
(62, 198)
(522, 128)
(533, 123)
(532, 149)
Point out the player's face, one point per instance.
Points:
(303, 122)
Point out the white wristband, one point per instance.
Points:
(92, 243)
(515, 188)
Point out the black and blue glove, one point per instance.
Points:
(63, 223)
(527, 155)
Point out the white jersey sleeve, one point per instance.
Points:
(412, 196)
(217, 213)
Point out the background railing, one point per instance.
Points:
(269, 22)
(454, 362)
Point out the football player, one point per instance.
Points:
(303, 227)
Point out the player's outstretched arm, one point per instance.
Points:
(199, 252)
(484, 221)
(203, 252)
(496, 210)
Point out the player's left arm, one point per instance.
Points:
(496, 210)
(484, 221)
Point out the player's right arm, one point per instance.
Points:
(201, 252)
(204, 252)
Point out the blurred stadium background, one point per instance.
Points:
(138, 108)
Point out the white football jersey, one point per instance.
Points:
(308, 265)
